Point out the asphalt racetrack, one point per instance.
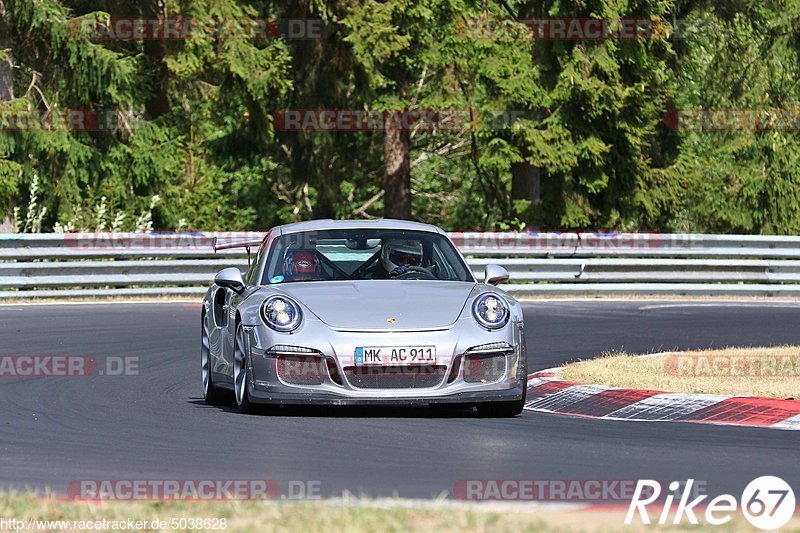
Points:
(154, 425)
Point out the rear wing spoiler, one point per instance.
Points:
(229, 245)
(247, 245)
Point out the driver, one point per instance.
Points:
(397, 255)
(301, 265)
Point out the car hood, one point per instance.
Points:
(370, 304)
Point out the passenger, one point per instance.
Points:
(302, 265)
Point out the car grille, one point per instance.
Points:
(484, 368)
(388, 377)
(301, 369)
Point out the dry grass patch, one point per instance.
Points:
(768, 372)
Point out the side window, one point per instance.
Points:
(255, 261)
(439, 266)
(251, 272)
(220, 316)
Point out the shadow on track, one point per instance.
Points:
(348, 411)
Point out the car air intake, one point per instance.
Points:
(395, 377)
(301, 369)
(484, 368)
(455, 369)
(487, 362)
(333, 371)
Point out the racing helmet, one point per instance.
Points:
(400, 252)
(300, 265)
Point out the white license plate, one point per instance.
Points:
(395, 355)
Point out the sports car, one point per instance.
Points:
(362, 312)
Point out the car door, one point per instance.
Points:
(218, 319)
(232, 301)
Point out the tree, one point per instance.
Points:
(594, 111)
(179, 133)
(736, 165)
(179, 112)
(392, 42)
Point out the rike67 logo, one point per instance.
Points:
(767, 502)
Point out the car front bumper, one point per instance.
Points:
(325, 398)
(334, 363)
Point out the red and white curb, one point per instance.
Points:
(548, 394)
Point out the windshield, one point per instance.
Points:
(363, 255)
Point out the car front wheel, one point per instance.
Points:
(503, 409)
(240, 374)
(211, 394)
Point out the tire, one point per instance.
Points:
(504, 409)
(241, 381)
(501, 409)
(211, 394)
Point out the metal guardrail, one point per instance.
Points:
(122, 264)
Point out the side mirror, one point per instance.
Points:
(230, 278)
(495, 275)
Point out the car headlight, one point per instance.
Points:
(490, 310)
(281, 313)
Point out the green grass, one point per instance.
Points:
(275, 516)
(342, 515)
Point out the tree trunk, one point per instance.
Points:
(155, 52)
(308, 164)
(553, 206)
(397, 171)
(6, 64)
(157, 103)
(525, 182)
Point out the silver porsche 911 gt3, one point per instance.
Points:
(362, 312)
